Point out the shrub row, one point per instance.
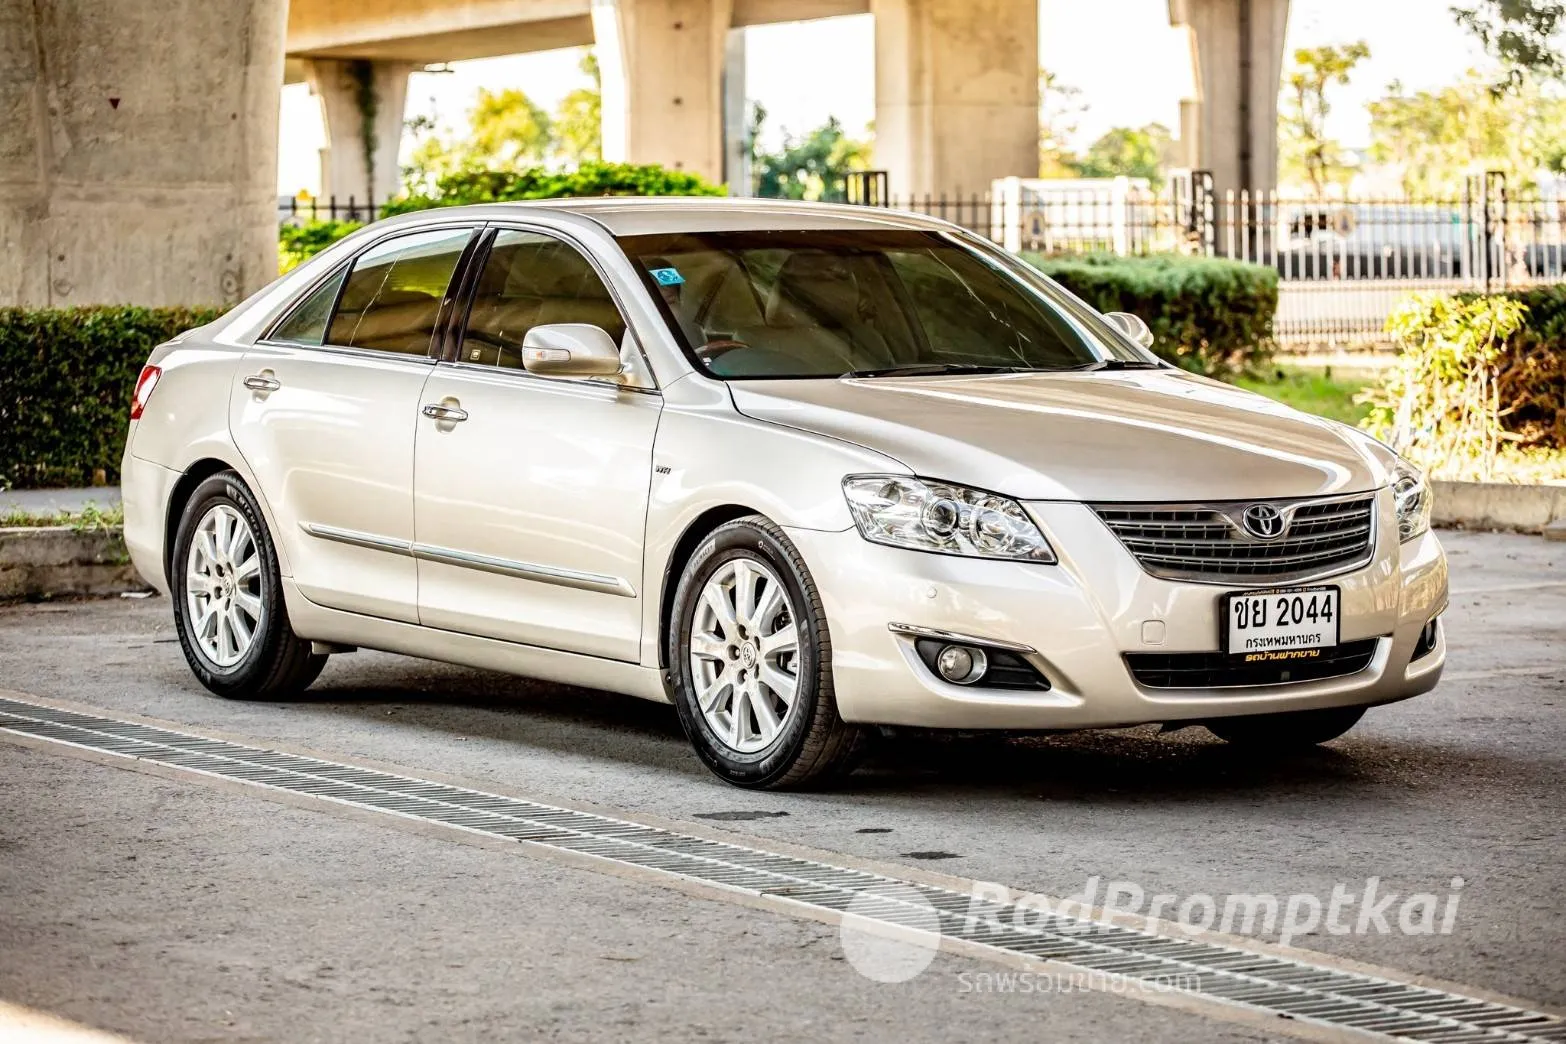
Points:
(1479, 374)
(66, 377)
(1208, 315)
(590, 179)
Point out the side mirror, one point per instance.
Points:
(1132, 326)
(570, 350)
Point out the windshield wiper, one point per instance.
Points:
(930, 369)
(1124, 364)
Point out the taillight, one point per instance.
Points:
(144, 385)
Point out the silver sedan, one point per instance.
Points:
(800, 470)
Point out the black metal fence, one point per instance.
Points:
(1343, 263)
(292, 210)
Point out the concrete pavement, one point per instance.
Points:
(1465, 782)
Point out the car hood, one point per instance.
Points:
(1154, 435)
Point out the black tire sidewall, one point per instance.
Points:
(226, 488)
(745, 539)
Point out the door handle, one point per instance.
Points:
(262, 382)
(441, 412)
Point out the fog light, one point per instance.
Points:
(961, 665)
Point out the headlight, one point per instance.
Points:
(937, 516)
(1411, 495)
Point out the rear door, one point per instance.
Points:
(531, 492)
(325, 411)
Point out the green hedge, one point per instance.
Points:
(590, 179)
(66, 377)
(298, 243)
(1530, 375)
(1208, 315)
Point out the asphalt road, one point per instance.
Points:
(173, 910)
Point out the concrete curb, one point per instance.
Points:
(58, 561)
(1498, 505)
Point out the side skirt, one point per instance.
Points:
(321, 624)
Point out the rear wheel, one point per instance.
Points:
(1295, 729)
(752, 662)
(228, 598)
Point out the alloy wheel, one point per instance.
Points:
(223, 586)
(744, 654)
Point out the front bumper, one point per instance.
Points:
(1082, 616)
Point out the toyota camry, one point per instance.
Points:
(804, 471)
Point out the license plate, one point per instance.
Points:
(1281, 621)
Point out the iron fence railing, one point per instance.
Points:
(294, 210)
(1343, 263)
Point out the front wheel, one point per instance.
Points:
(1292, 730)
(228, 597)
(751, 661)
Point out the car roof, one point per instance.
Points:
(648, 215)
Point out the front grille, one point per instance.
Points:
(1213, 670)
(1208, 541)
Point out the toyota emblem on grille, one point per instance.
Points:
(1263, 521)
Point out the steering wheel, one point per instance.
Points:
(719, 346)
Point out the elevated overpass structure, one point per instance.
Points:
(138, 157)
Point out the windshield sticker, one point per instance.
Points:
(667, 276)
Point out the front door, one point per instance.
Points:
(324, 411)
(530, 493)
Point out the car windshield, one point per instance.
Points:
(791, 304)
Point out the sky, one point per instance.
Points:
(1130, 66)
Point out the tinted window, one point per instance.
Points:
(393, 295)
(531, 280)
(827, 303)
(307, 324)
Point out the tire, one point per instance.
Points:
(1294, 730)
(809, 742)
(243, 588)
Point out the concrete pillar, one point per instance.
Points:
(736, 116)
(138, 150)
(662, 65)
(1237, 62)
(347, 88)
(956, 93)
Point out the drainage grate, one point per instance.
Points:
(1277, 985)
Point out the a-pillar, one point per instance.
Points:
(138, 150)
(956, 93)
(662, 68)
(362, 102)
(1231, 127)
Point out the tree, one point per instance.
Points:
(579, 119)
(811, 167)
(1060, 105)
(1136, 152)
(1436, 139)
(1305, 149)
(506, 130)
(1520, 34)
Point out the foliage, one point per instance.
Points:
(1305, 150)
(1438, 138)
(1468, 377)
(812, 167)
(507, 130)
(1209, 315)
(1520, 35)
(590, 179)
(1060, 106)
(90, 519)
(298, 243)
(1136, 152)
(66, 376)
(578, 121)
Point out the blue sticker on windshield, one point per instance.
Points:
(667, 276)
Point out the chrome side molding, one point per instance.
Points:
(572, 578)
